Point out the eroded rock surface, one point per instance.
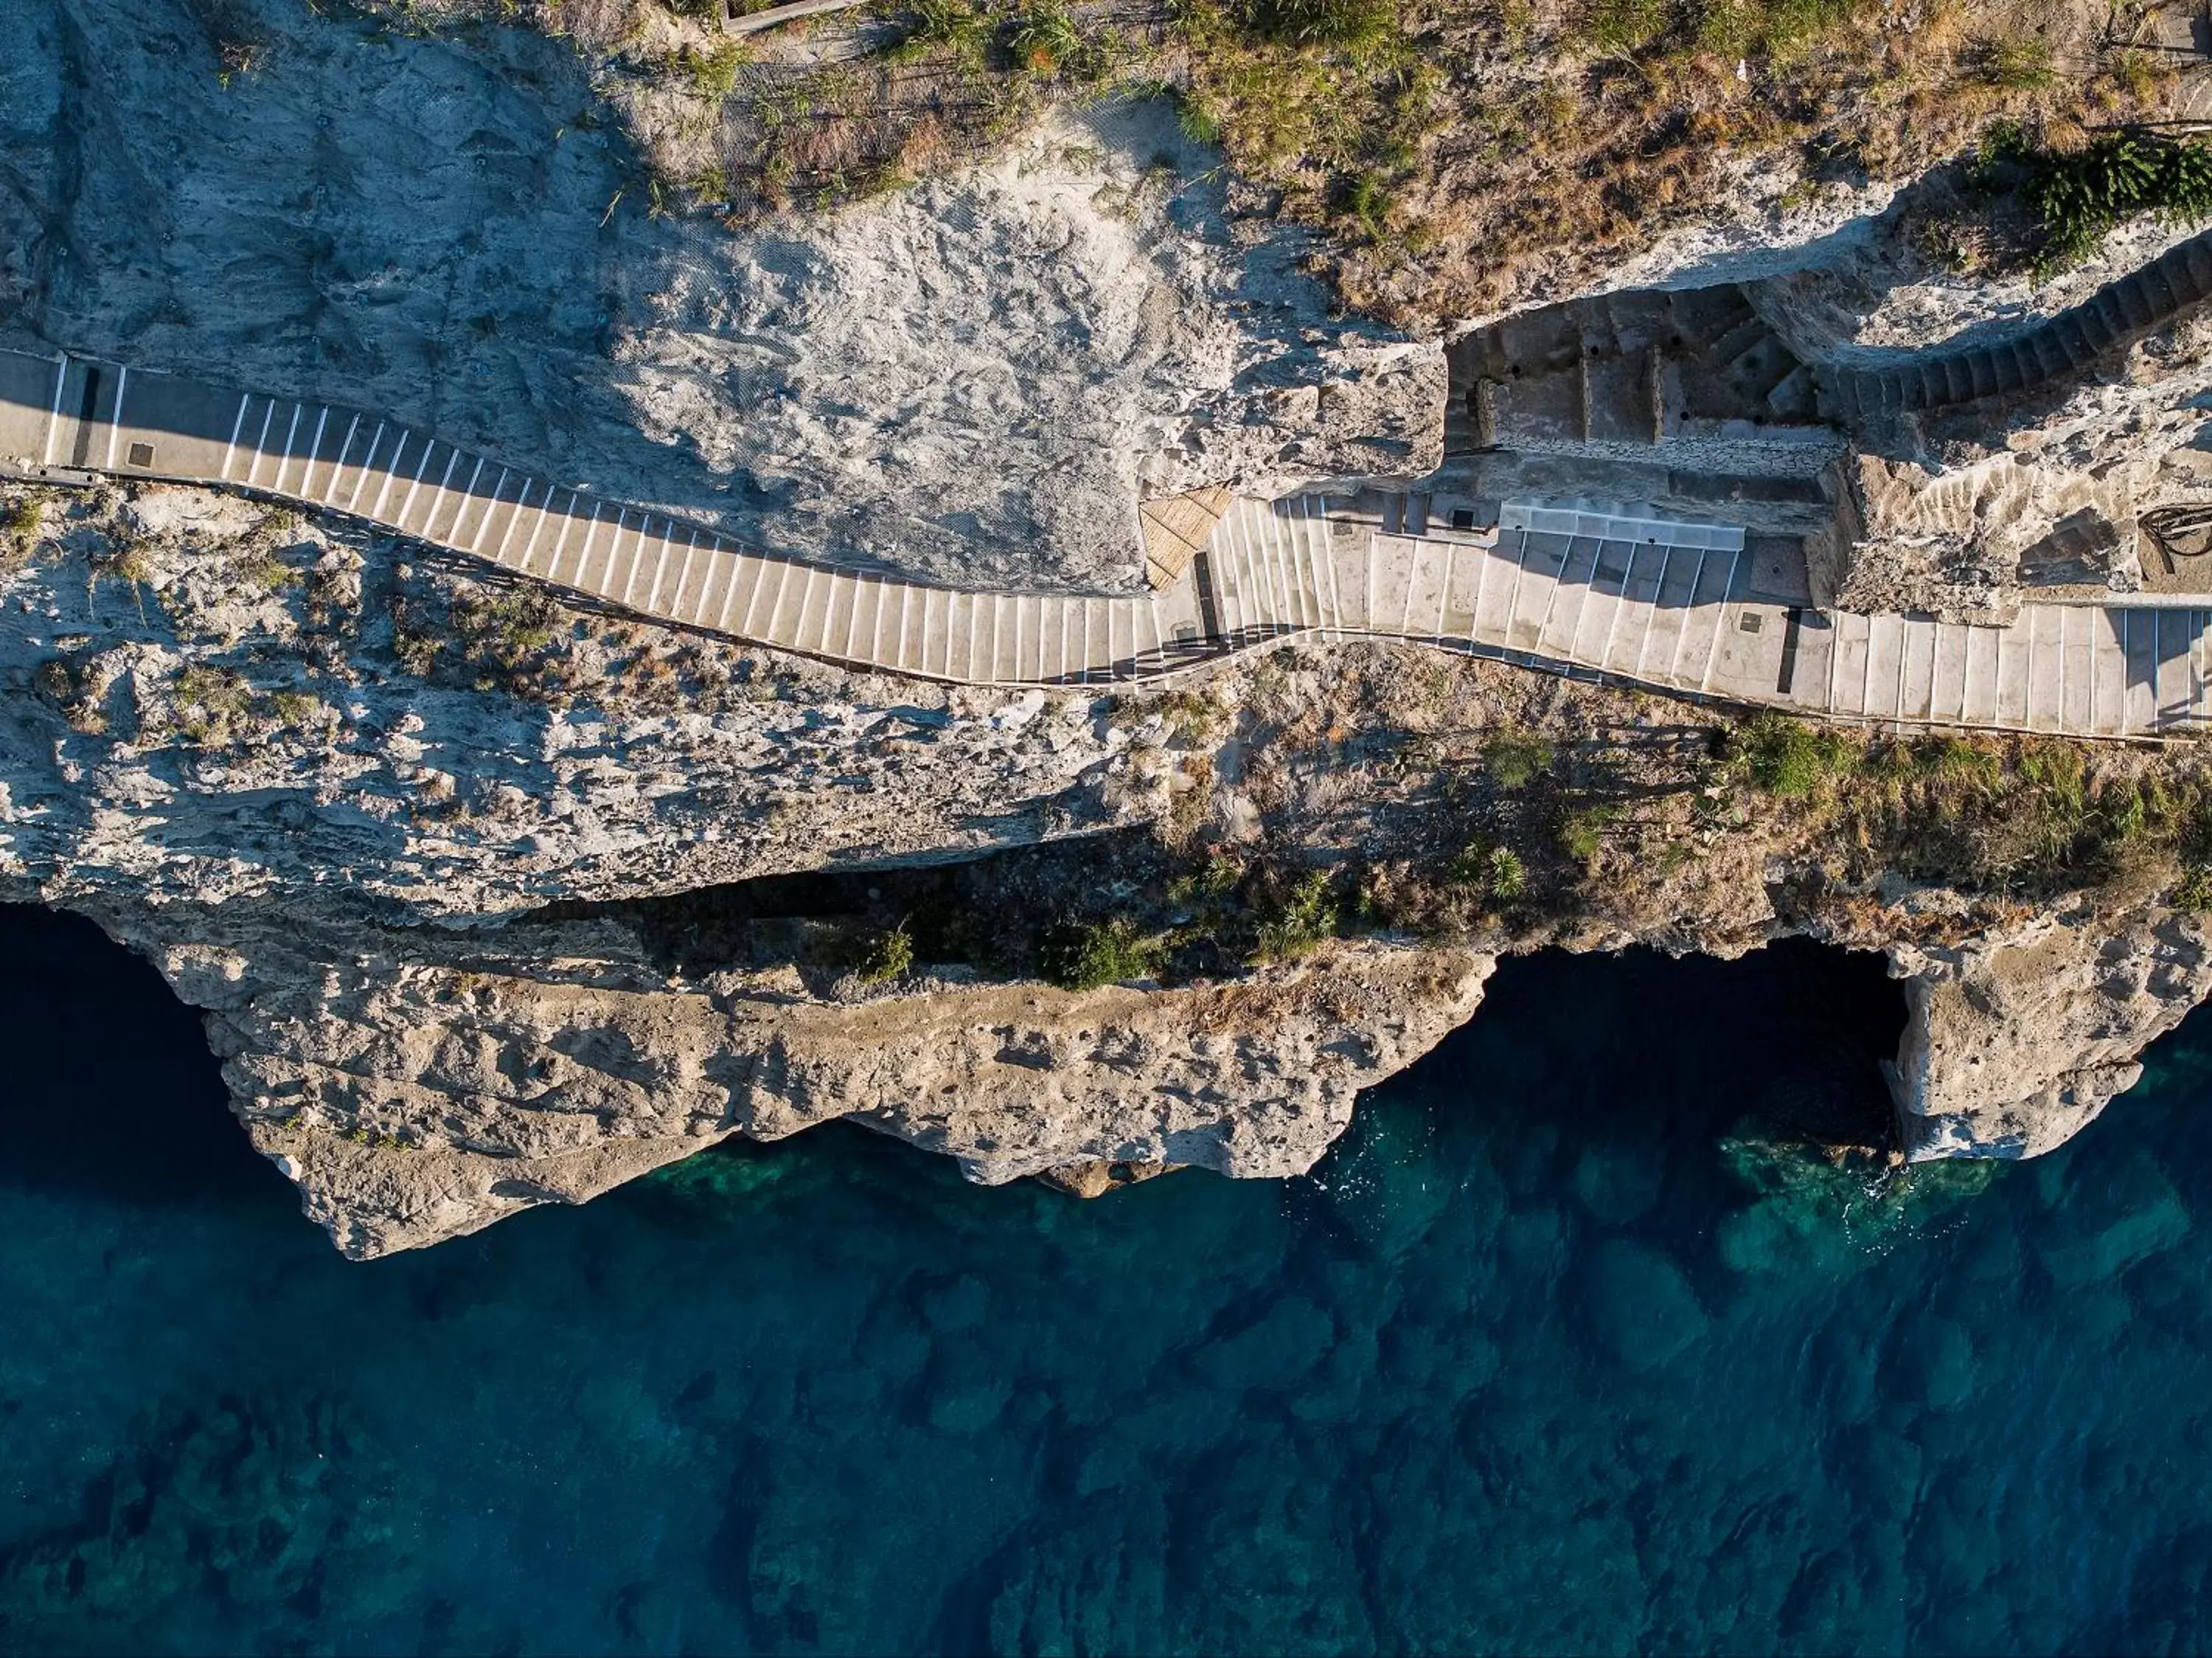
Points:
(2016, 1043)
(413, 1098)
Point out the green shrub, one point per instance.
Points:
(2194, 892)
(1307, 916)
(1514, 758)
(2077, 196)
(1101, 953)
(888, 955)
(1508, 875)
(1496, 871)
(1786, 757)
(1212, 882)
(1357, 27)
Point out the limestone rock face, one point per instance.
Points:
(974, 380)
(1966, 510)
(1963, 541)
(1359, 410)
(2014, 1044)
(415, 1100)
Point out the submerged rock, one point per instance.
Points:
(1640, 1307)
(1817, 1206)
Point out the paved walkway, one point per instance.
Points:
(1601, 590)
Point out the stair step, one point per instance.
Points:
(1703, 315)
(2134, 301)
(2051, 358)
(2159, 292)
(1541, 342)
(1483, 409)
(2070, 335)
(1639, 320)
(1622, 403)
(2196, 257)
(2101, 321)
(1793, 396)
(1731, 347)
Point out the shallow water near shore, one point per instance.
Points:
(1558, 1351)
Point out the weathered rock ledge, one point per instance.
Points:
(413, 1101)
(2016, 1043)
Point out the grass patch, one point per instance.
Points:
(1788, 757)
(1515, 758)
(71, 687)
(1358, 29)
(23, 519)
(1625, 26)
(1045, 43)
(1091, 956)
(217, 708)
(2013, 64)
(1581, 829)
(1300, 921)
(953, 27)
(713, 74)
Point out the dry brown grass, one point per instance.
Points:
(1458, 159)
(1492, 157)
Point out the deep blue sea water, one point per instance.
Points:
(1553, 1354)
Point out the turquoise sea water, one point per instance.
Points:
(1551, 1355)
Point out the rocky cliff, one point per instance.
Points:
(2015, 1042)
(395, 825)
(450, 868)
(412, 1099)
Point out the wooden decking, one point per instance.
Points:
(1602, 590)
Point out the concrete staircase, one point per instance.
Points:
(1607, 589)
(1626, 369)
(2062, 347)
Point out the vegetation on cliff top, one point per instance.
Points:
(2077, 196)
(1454, 154)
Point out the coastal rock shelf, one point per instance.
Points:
(1604, 589)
